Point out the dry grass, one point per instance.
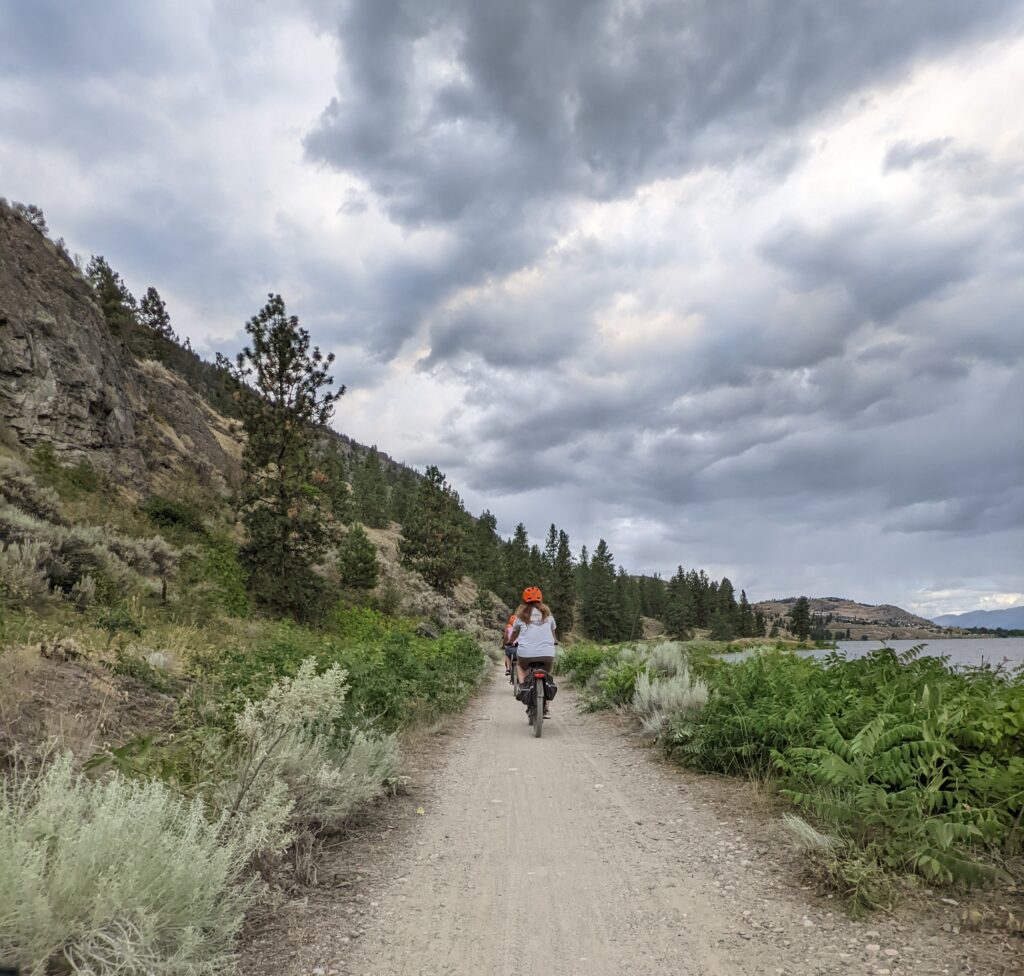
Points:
(73, 704)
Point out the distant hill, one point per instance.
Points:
(1012, 618)
(874, 622)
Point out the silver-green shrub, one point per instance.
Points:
(71, 552)
(19, 489)
(22, 572)
(660, 700)
(117, 877)
(289, 774)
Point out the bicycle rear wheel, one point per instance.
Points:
(538, 707)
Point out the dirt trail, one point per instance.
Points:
(578, 854)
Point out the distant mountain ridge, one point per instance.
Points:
(1011, 618)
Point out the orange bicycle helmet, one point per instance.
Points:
(532, 594)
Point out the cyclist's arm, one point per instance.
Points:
(515, 634)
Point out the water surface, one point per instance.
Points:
(980, 650)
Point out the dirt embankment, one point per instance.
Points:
(580, 853)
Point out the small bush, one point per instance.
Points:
(358, 567)
(914, 767)
(115, 562)
(115, 877)
(133, 665)
(387, 598)
(19, 489)
(22, 573)
(170, 514)
(71, 482)
(82, 478)
(658, 702)
(215, 577)
(117, 620)
(580, 661)
(289, 768)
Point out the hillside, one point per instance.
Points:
(67, 381)
(1012, 618)
(863, 620)
(139, 407)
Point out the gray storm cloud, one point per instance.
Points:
(601, 221)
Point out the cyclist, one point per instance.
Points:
(507, 643)
(535, 633)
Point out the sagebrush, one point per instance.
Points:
(116, 877)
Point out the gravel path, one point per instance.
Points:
(578, 853)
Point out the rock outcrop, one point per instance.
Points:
(67, 381)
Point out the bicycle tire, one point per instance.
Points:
(538, 708)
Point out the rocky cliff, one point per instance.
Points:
(66, 380)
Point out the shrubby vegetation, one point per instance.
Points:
(396, 676)
(148, 860)
(116, 876)
(148, 870)
(43, 554)
(902, 764)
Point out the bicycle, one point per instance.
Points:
(513, 676)
(539, 689)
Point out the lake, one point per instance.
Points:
(982, 650)
(991, 650)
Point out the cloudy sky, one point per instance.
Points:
(731, 283)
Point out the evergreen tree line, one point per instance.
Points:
(302, 482)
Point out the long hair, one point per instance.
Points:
(525, 612)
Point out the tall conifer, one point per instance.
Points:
(431, 542)
(282, 512)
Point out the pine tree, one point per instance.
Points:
(722, 628)
(745, 619)
(653, 597)
(550, 553)
(725, 604)
(760, 624)
(483, 554)
(153, 313)
(800, 618)
(331, 479)
(563, 586)
(600, 605)
(582, 574)
(538, 572)
(403, 495)
(701, 595)
(627, 594)
(357, 560)
(282, 511)
(680, 613)
(517, 566)
(33, 214)
(431, 542)
(370, 491)
(116, 302)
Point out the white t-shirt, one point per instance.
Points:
(537, 638)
